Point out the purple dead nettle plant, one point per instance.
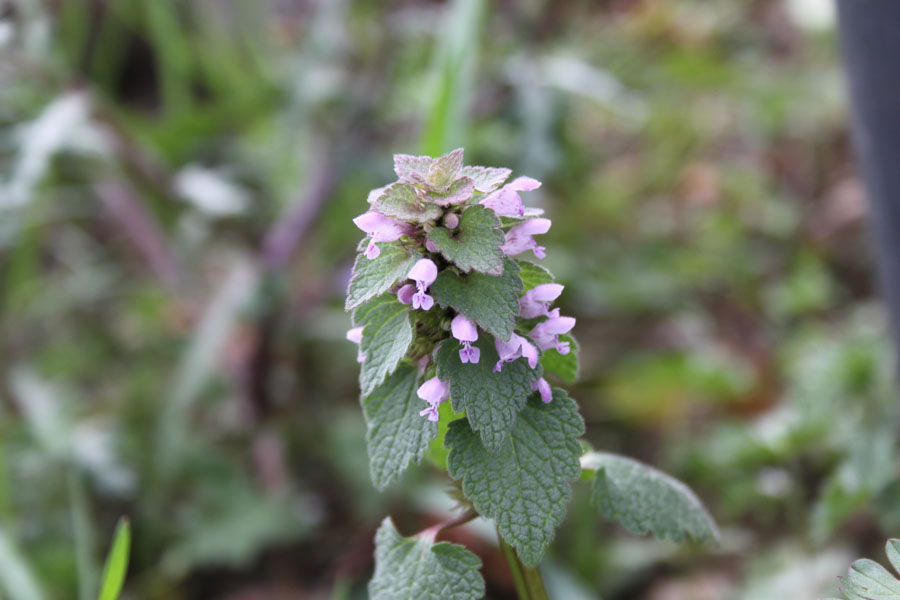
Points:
(457, 333)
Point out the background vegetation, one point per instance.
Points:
(177, 181)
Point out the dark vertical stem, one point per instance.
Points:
(870, 37)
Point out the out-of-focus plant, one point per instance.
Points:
(443, 311)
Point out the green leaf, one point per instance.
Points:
(458, 191)
(533, 275)
(867, 580)
(385, 338)
(475, 244)
(564, 366)
(373, 277)
(492, 401)
(486, 179)
(435, 173)
(116, 563)
(412, 169)
(419, 569)
(892, 549)
(396, 434)
(400, 201)
(445, 169)
(644, 499)
(489, 300)
(525, 485)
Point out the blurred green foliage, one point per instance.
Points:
(177, 181)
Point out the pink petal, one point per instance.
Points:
(509, 349)
(371, 221)
(543, 387)
(557, 325)
(523, 184)
(546, 292)
(426, 302)
(355, 334)
(434, 391)
(424, 270)
(533, 227)
(463, 329)
(405, 293)
(382, 228)
(529, 352)
(504, 202)
(536, 301)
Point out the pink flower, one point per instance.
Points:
(434, 392)
(466, 332)
(506, 201)
(543, 387)
(546, 334)
(519, 238)
(536, 302)
(380, 229)
(405, 293)
(512, 349)
(424, 272)
(355, 336)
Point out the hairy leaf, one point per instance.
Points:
(486, 179)
(492, 401)
(475, 244)
(492, 301)
(373, 277)
(644, 499)
(385, 338)
(867, 580)
(445, 169)
(525, 485)
(419, 569)
(400, 201)
(397, 435)
(434, 173)
(564, 366)
(412, 169)
(458, 191)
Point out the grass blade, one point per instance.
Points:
(116, 563)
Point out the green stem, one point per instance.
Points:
(83, 534)
(528, 580)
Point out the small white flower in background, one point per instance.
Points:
(210, 191)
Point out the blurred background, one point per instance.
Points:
(177, 181)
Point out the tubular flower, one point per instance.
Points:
(380, 229)
(546, 334)
(536, 302)
(355, 336)
(543, 387)
(512, 349)
(434, 392)
(424, 272)
(506, 201)
(466, 332)
(519, 238)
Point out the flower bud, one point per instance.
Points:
(451, 220)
